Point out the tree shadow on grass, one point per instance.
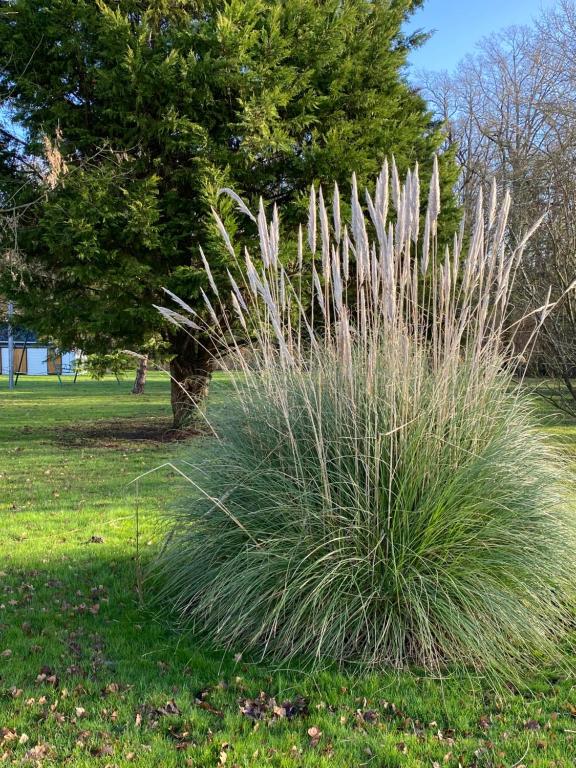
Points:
(95, 672)
(80, 623)
(114, 433)
(118, 434)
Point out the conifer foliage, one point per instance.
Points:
(150, 106)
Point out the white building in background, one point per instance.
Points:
(32, 358)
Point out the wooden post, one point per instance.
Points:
(140, 380)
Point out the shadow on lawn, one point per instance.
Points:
(94, 674)
(86, 625)
(114, 433)
(110, 433)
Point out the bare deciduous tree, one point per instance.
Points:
(511, 109)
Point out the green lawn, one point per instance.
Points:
(89, 676)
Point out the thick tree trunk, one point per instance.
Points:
(140, 380)
(190, 370)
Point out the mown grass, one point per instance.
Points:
(86, 670)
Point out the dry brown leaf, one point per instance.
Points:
(39, 752)
(315, 735)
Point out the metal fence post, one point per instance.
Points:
(10, 346)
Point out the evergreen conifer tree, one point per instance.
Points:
(145, 108)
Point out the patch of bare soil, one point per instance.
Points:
(118, 433)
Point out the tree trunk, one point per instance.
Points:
(190, 370)
(140, 380)
(569, 386)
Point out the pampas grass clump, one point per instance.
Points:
(379, 491)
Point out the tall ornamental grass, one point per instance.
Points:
(379, 491)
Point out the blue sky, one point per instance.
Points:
(459, 24)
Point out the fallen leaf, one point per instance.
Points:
(265, 707)
(49, 679)
(114, 688)
(39, 752)
(104, 751)
(532, 725)
(369, 716)
(315, 735)
(170, 708)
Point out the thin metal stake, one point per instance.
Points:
(10, 346)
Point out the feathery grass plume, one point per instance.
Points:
(336, 213)
(241, 205)
(379, 491)
(312, 220)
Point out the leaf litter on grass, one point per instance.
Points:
(43, 725)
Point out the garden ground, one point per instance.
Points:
(89, 675)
